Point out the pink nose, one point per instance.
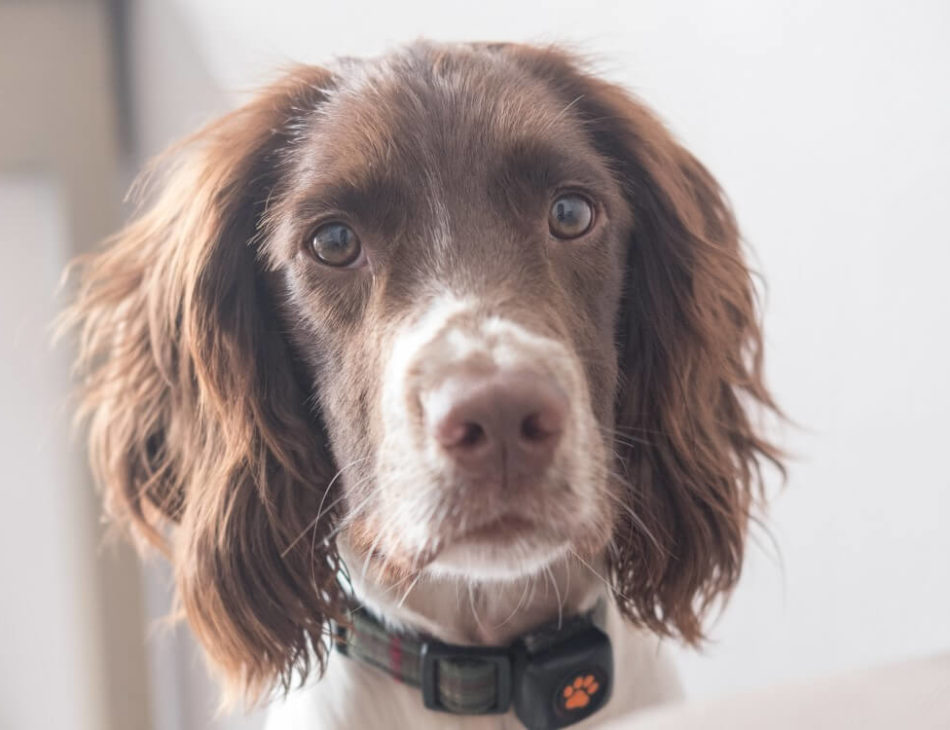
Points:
(507, 424)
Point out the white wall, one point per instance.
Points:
(46, 605)
(71, 648)
(827, 122)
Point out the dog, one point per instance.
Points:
(437, 350)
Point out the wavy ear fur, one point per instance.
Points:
(198, 428)
(690, 361)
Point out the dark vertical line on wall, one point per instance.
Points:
(119, 14)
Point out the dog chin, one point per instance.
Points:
(482, 561)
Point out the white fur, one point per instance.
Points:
(435, 342)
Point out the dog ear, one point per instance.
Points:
(691, 366)
(198, 429)
(690, 362)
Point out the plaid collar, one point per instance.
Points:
(553, 676)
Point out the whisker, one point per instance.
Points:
(637, 520)
(521, 601)
(607, 583)
(351, 515)
(379, 536)
(311, 525)
(567, 588)
(313, 536)
(399, 583)
(471, 603)
(557, 594)
(320, 511)
(622, 437)
(409, 590)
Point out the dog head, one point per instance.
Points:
(460, 310)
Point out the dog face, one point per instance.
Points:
(451, 276)
(461, 310)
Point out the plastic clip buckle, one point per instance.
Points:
(433, 652)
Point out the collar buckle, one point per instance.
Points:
(458, 679)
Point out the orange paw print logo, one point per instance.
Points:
(578, 693)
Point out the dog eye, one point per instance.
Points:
(571, 216)
(335, 244)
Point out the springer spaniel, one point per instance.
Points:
(444, 358)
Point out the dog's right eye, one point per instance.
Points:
(571, 216)
(335, 244)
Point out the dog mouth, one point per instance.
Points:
(500, 546)
(503, 528)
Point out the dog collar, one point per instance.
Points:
(552, 676)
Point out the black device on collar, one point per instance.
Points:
(553, 676)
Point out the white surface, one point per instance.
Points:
(912, 694)
(827, 124)
(48, 650)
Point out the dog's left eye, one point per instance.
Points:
(335, 244)
(571, 216)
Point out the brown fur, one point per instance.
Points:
(200, 366)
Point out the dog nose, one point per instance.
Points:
(507, 422)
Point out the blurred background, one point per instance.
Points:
(828, 123)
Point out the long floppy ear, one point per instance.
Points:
(690, 362)
(198, 429)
